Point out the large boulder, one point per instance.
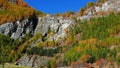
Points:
(32, 61)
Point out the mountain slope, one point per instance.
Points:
(89, 39)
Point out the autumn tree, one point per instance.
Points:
(68, 14)
(1, 2)
(21, 3)
(102, 1)
(81, 12)
(90, 4)
(69, 40)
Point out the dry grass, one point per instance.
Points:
(12, 66)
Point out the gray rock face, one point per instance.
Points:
(108, 6)
(32, 61)
(55, 24)
(23, 61)
(6, 28)
(22, 28)
(19, 29)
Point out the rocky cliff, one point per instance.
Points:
(57, 25)
(37, 25)
(101, 9)
(19, 28)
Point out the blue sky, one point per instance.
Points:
(58, 6)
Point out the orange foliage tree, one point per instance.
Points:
(89, 41)
(21, 3)
(68, 40)
(12, 12)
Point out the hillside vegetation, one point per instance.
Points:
(9, 47)
(11, 12)
(99, 39)
(93, 41)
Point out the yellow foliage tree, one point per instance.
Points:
(79, 49)
(90, 4)
(81, 12)
(69, 40)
